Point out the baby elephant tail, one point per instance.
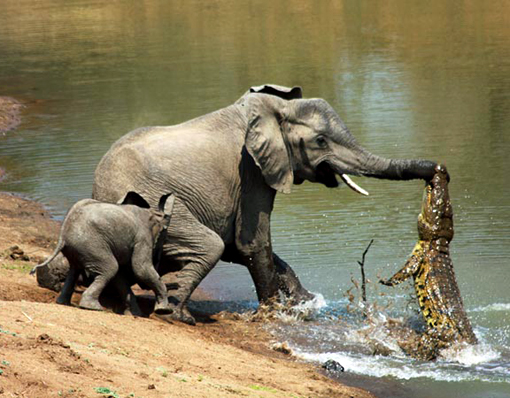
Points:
(59, 247)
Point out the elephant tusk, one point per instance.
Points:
(351, 184)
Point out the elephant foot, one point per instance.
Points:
(132, 307)
(289, 283)
(133, 311)
(302, 296)
(63, 301)
(162, 309)
(100, 308)
(179, 315)
(91, 305)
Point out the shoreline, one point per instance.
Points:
(215, 358)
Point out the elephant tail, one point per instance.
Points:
(60, 246)
(61, 241)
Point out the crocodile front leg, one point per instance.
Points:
(410, 268)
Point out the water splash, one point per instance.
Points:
(352, 337)
(492, 307)
(470, 355)
(403, 369)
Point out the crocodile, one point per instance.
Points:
(431, 267)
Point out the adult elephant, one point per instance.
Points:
(225, 169)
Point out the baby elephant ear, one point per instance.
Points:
(166, 204)
(133, 198)
(266, 144)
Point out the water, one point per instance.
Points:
(348, 338)
(410, 79)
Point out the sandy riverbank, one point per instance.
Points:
(53, 350)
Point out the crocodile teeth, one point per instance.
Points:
(351, 184)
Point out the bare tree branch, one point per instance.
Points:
(363, 280)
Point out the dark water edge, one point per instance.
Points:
(421, 388)
(380, 387)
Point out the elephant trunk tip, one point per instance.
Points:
(411, 170)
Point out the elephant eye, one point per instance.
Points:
(321, 141)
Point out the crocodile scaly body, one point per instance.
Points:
(431, 267)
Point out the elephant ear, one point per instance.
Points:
(133, 198)
(265, 141)
(166, 206)
(285, 93)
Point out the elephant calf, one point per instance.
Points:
(100, 238)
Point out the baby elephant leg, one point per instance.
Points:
(68, 288)
(105, 270)
(146, 273)
(129, 301)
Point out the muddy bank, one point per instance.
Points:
(52, 350)
(9, 114)
(28, 225)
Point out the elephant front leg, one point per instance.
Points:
(270, 274)
(129, 301)
(145, 273)
(289, 283)
(261, 266)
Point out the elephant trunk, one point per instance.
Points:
(397, 169)
(358, 161)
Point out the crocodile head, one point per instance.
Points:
(436, 218)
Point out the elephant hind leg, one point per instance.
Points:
(195, 249)
(105, 270)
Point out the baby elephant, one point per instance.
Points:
(99, 238)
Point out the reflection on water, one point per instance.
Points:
(410, 79)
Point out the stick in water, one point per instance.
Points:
(363, 280)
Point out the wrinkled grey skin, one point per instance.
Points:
(102, 238)
(225, 169)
